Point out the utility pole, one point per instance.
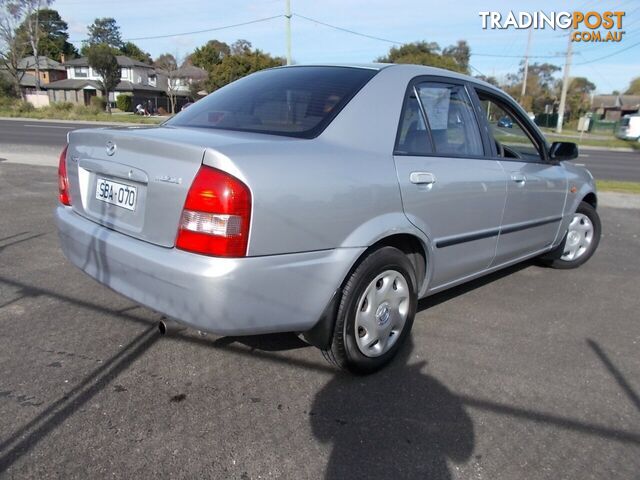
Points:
(288, 17)
(565, 86)
(526, 66)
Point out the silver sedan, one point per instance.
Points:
(324, 200)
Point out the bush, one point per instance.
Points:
(61, 107)
(81, 110)
(24, 107)
(98, 104)
(7, 102)
(123, 102)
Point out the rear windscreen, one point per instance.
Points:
(296, 101)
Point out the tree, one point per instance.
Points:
(461, 52)
(490, 79)
(578, 95)
(244, 62)
(210, 54)
(169, 65)
(102, 58)
(634, 87)
(454, 58)
(32, 29)
(542, 86)
(131, 50)
(11, 48)
(54, 39)
(103, 31)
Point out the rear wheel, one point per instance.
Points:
(580, 242)
(376, 312)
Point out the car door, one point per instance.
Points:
(451, 188)
(536, 187)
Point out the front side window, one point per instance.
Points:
(511, 139)
(451, 121)
(294, 101)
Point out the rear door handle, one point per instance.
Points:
(422, 178)
(519, 178)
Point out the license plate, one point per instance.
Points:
(117, 194)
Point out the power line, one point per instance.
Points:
(515, 56)
(353, 32)
(195, 32)
(373, 37)
(610, 55)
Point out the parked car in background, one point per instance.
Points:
(505, 122)
(629, 128)
(323, 200)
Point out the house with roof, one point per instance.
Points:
(82, 83)
(614, 107)
(49, 69)
(180, 83)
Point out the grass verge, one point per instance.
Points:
(70, 111)
(620, 187)
(601, 140)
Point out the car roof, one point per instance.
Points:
(414, 69)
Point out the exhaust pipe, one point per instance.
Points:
(169, 327)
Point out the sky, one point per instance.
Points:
(494, 52)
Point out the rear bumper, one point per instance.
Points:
(227, 296)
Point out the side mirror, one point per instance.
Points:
(560, 151)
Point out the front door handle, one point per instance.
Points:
(422, 178)
(519, 178)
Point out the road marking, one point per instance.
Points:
(46, 126)
(584, 155)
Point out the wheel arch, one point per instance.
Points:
(411, 245)
(591, 199)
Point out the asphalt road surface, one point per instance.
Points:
(605, 165)
(530, 373)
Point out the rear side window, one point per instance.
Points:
(296, 101)
(451, 121)
(438, 118)
(413, 137)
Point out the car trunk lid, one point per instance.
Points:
(132, 180)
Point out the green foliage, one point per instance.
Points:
(104, 31)
(6, 88)
(61, 106)
(24, 107)
(542, 87)
(6, 102)
(455, 58)
(578, 96)
(131, 50)
(98, 103)
(102, 58)
(166, 62)
(634, 87)
(123, 102)
(209, 55)
(53, 36)
(242, 60)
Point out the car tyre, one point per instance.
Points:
(378, 303)
(579, 243)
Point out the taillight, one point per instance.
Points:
(216, 215)
(63, 180)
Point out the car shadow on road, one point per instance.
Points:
(398, 423)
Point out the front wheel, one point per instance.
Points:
(580, 242)
(376, 312)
